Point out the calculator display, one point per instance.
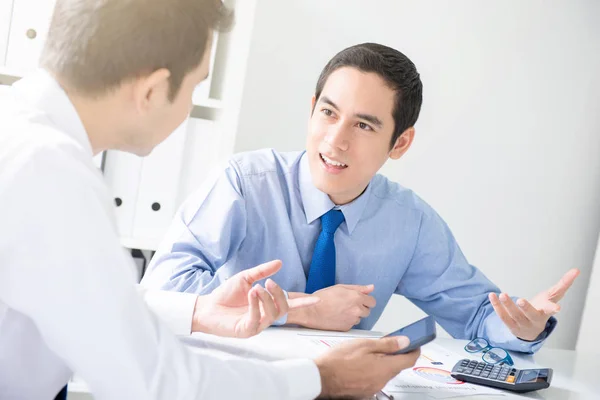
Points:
(533, 375)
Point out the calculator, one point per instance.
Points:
(502, 376)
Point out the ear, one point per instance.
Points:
(313, 101)
(402, 143)
(151, 91)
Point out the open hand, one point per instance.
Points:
(239, 309)
(526, 320)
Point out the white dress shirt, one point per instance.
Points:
(67, 298)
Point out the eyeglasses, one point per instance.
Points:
(491, 355)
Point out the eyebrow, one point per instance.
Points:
(367, 117)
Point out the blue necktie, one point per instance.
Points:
(322, 266)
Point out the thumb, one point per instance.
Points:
(364, 289)
(390, 345)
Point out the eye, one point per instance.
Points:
(364, 126)
(327, 112)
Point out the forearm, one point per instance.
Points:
(179, 272)
(175, 309)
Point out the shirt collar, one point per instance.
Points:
(316, 203)
(42, 92)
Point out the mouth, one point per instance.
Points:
(332, 165)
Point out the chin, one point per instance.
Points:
(144, 152)
(326, 187)
(138, 151)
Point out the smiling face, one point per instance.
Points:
(350, 131)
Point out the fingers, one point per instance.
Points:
(515, 312)
(364, 312)
(403, 361)
(369, 301)
(261, 271)
(254, 316)
(502, 312)
(278, 296)
(389, 345)
(558, 291)
(268, 305)
(532, 313)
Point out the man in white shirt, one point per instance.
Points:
(120, 75)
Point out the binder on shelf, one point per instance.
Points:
(158, 187)
(122, 173)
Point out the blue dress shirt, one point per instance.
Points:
(264, 206)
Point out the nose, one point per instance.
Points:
(337, 137)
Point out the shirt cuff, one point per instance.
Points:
(175, 309)
(303, 379)
(283, 319)
(498, 334)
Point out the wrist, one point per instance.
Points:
(548, 328)
(299, 316)
(200, 317)
(326, 391)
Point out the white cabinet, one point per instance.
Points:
(148, 191)
(5, 18)
(28, 31)
(158, 186)
(122, 172)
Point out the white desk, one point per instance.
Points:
(576, 374)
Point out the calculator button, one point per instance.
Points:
(476, 372)
(485, 374)
(510, 379)
(464, 362)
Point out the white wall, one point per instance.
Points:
(590, 322)
(508, 139)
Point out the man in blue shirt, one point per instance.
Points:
(343, 232)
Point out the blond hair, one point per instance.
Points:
(95, 45)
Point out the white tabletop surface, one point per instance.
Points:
(576, 374)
